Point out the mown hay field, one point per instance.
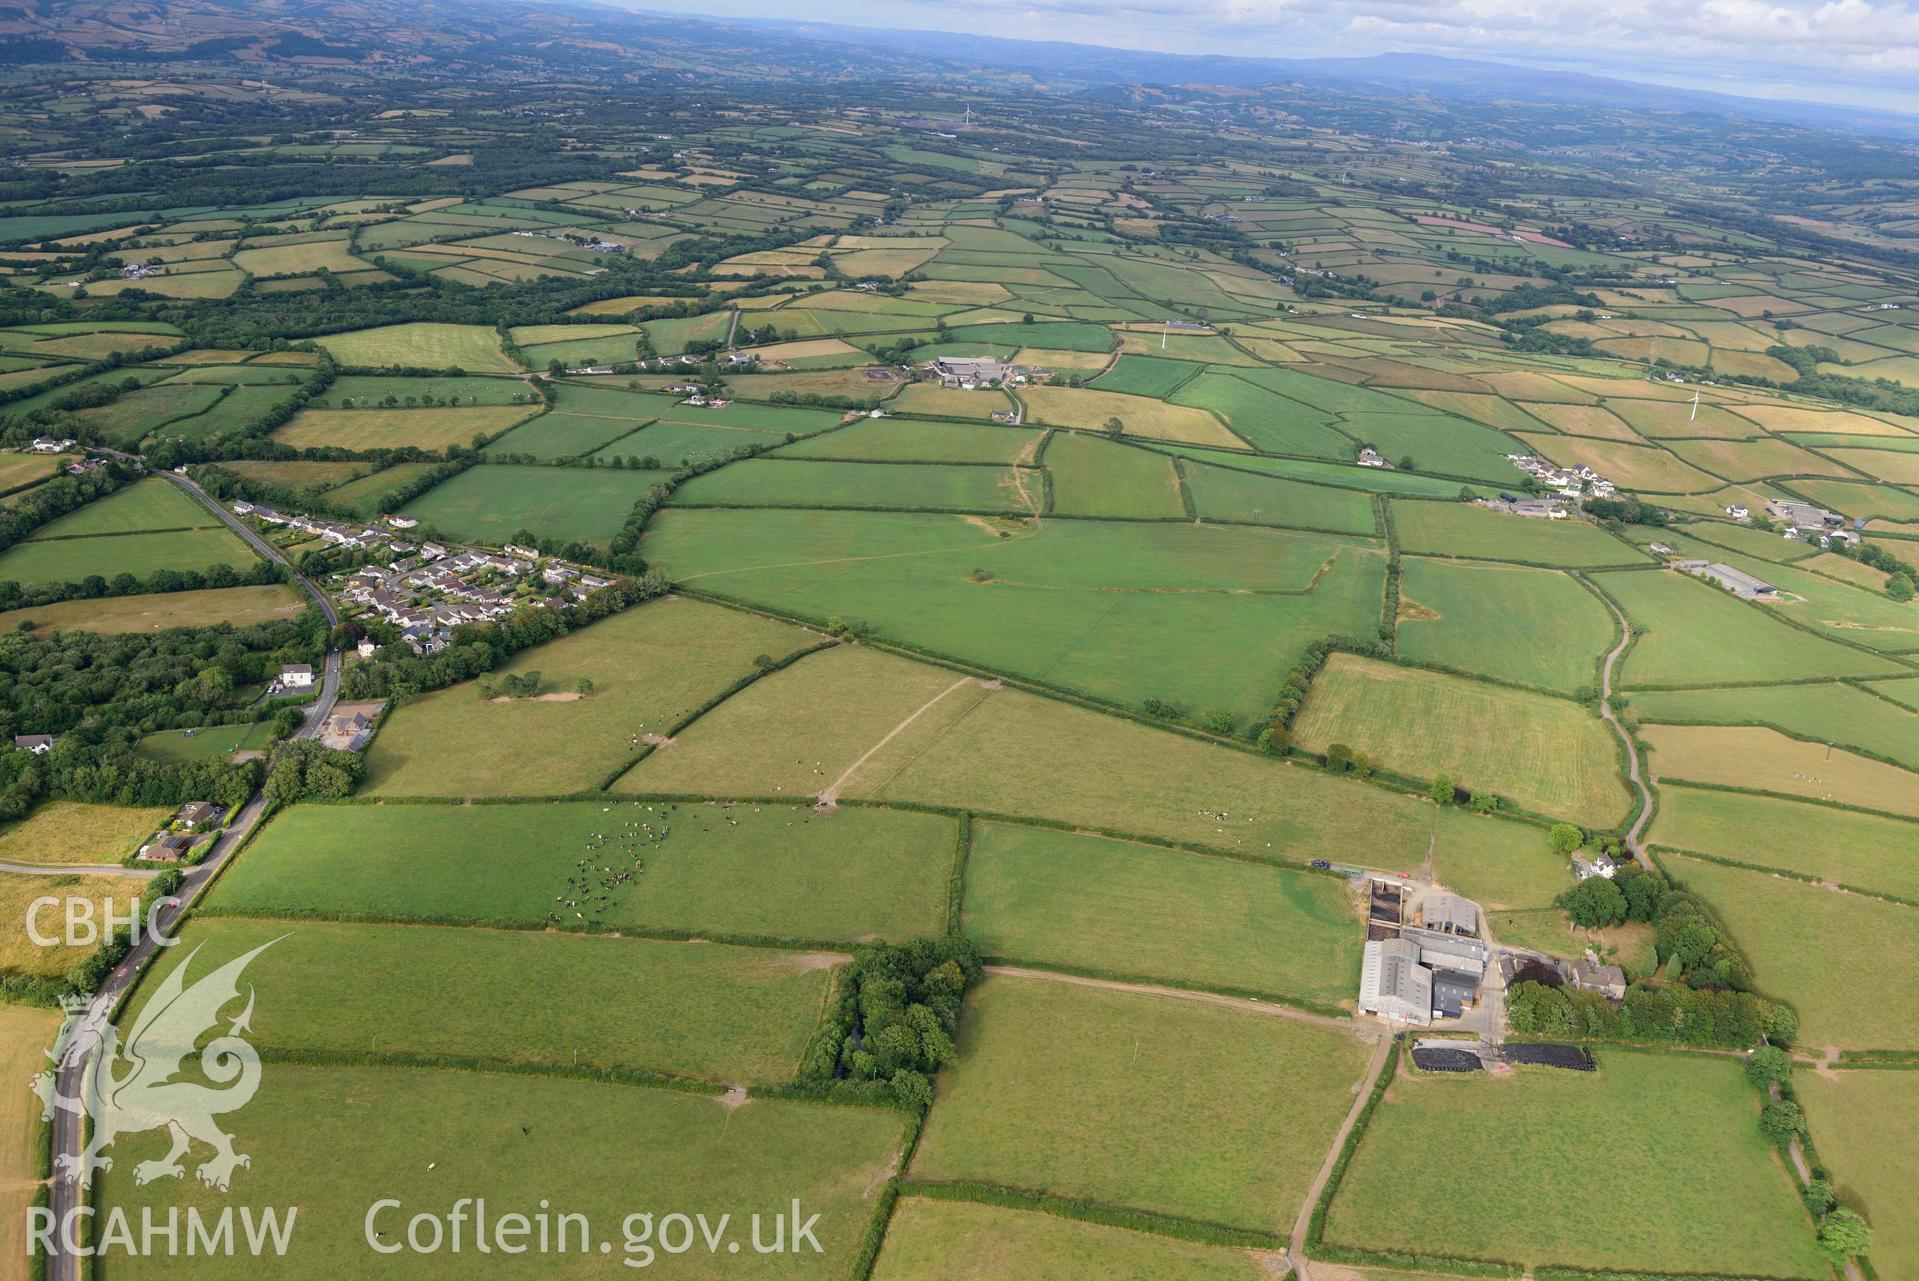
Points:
(1768, 761)
(240, 606)
(1471, 532)
(421, 345)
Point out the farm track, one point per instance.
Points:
(830, 797)
(1296, 1244)
(1244, 1004)
(1635, 768)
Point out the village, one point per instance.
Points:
(425, 589)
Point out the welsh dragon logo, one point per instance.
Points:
(131, 1087)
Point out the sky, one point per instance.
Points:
(1856, 52)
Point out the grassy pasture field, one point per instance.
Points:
(776, 871)
(1833, 713)
(1729, 1205)
(1692, 633)
(116, 614)
(1847, 963)
(1740, 756)
(1096, 477)
(421, 345)
(1089, 410)
(366, 494)
(1513, 623)
(144, 505)
(938, 1240)
(1146, 376)
(560, 435)
(17, 470)
(204, 744)
(1868, 1128)
(1046, 1097)
(428, 429)
(1227, 493)
(134, 414)
(1868, 851)
(67, 832)
(781, 482)
(364, 391)
(297, 473)
(1120, 609)
(647, 672)
(905, 441)
(1342, 475)
(72, 559)
(490, 503)
(1545, 754)
(1497, 864)
(1034, 757)
(1474, 533)
(1042, 896)
(590, 1148)
(942, 402)
(704, 1010)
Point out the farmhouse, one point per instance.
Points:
(38, 744)
(1369, 457)
(170, 847)
(49, 445)
(296, 676)
(1607, 980)
(1736, 581)
(1585, 869)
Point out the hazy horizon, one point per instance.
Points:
(1852, 53)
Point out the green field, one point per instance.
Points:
(1014, 753)
(559, 435)
(899, 440)
(1865, 851)
(1049, 1095)
(1691, 633)
(1835, 713)
(1095, 477)
(1845, 962)
(1726, 1206)
(779, 871)
(780, 482)
(366, 494)
(206, 743)
(1210, 617)
(1544, 754)
(1146, 376)
(937, 1240)
(1496, 863)
(335, 1140)
(107, 555)
(1041, 896)
(702, 1010)
(421, 346)
(492, 502)
(1475, 533)
(650, 666)
(432, 430)
(1227, 493)
(362, 390)
(1529, 626)
(144, 505)
(1867, 1125)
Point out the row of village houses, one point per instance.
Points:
(429, 588)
